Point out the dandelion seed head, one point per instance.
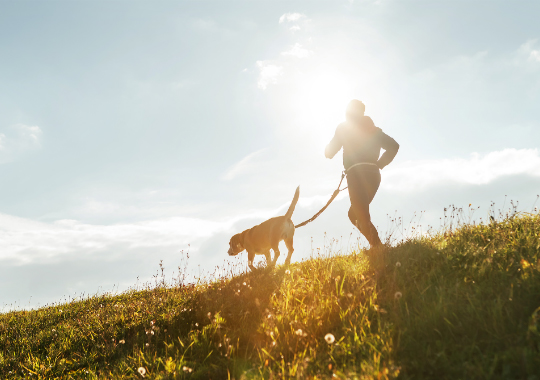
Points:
(398, 295)
(398, 264)
(187, 369)
(142, 371)
(330, 338)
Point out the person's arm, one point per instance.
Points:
(390, 147)
(334, 146)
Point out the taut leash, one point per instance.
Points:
(335, 194)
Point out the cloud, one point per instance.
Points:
(529, 52)
(291, 17)
(478, 169)
(268, 74)
(26, 241)
(297, 51)
(294, 28)
(17, 140)
(245, 164)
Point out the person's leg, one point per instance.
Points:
(373, 180)
(362, 188)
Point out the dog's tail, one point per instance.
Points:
(293, 203)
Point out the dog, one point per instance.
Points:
(265, 236)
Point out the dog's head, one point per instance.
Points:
(236, 245)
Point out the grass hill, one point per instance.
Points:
(461, 304)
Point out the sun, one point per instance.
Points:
(317, 100)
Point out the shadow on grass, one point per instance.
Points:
(466, 304)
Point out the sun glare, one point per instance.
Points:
(318, 100)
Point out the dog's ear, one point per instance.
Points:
(241, 237)
(237, 241)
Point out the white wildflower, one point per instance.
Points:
(329, 338)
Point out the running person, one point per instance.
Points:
(362, 142)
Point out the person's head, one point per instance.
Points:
(355, 110)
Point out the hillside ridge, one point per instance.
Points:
(456, 304)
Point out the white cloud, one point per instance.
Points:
(528, 49)
(18, 139)
(478, 169)
(297, 51)
(245, 164)
(294, 28)
(291, 17)
(268, 74)
(26, 241)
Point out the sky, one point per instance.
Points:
(138, 132)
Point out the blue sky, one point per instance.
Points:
(130, 131)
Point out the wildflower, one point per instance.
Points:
(329, 338)
(187, 369)
(121, 341)
(299, 332)
(196, 325)
(147, 344)
(209, 315)
(398, 295)
(287, 272)
(244, 283)
(142, 371)
(398, 264)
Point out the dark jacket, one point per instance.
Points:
(362, 142)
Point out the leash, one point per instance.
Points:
(334, 194)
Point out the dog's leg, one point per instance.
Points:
(290, 249)
(268, 258)
(276, 254)
(251, 257)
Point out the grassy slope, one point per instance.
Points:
(469, 309)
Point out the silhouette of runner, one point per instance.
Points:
(362, 142)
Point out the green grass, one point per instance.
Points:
(460, 305)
